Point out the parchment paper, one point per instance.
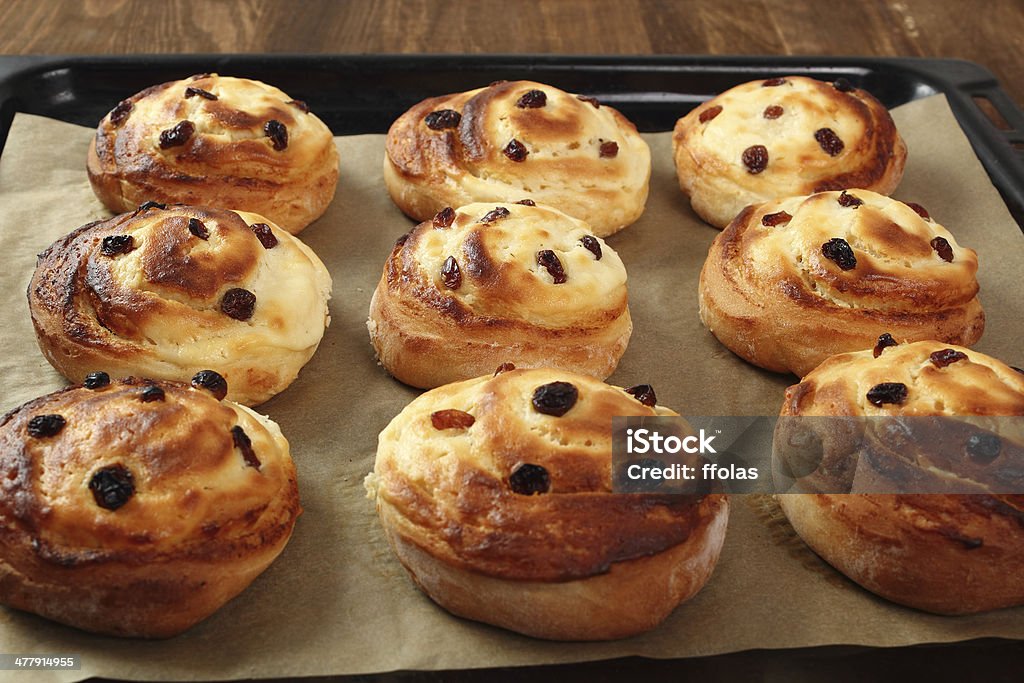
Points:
(337, 601)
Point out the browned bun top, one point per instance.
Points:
(487, 476)
(141, 471)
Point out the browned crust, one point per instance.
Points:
(140, 570)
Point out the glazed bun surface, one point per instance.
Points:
(166, 292)
(212, 140)
(519, 140)
(496, 494)
(138, 508)
(782, 137)
(793, 281)
(949, 554)
(488, 284)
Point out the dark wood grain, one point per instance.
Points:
(989, 33)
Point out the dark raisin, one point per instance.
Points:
(121, 111)
(278, 134)
(451, 276)
(238, 303)
(244, 444)
(529, 479)
(442, 119)
(198, 228)
(199, 77)
(849, 200)
(941, 359)
(264, 234)
(755, 158)
(609, 149)
(444, 217)
(532, 99)
(556, 398)
(192, 91)
(591, 244)
(146, 206)
(770, 220)
(772, 111)
(515, 150)
(838, 250)
(887, 392)
(300, 105)
(842, 85)
(884, 341)
(710, 113)
(504, 367)
(113, 245)
(491, 216)
(983, 448)
(773, 82)
(152, 393)
(42, 426)
(451, 419)
(212, 381)
(402, 239)
(96, 380)
(919, 210)
(943, 249)
(112, 486)
(178, 135)
(643, 393)
(829, 141)
(549, 260)
(589, 100)
(527, 202)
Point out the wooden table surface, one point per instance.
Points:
(990, 33)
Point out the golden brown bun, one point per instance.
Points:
(772, 295)
(506, 307)
(949, 554)
(800, 158)
(572, 560)
(139, 517)
(159, 310)
(581, 157)
(229, 160)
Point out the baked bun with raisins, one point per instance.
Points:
(944, 553)
(484, 284)
(167, 291)
(212, 140)
(793, 281)
(516, 140)
(496, 495)
(138, 508)
(781, 137)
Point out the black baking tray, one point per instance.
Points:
(365, 93)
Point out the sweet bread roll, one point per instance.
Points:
(167, 291)
(495, 494)
(485, 284)
(782, 137)
(217, 141)
(793, 281)
(137, 507)
(515, 140)
(949, 554)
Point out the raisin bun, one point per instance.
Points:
(949, 554)
(484, 284)
(781, 137)
(218, 141)
(137, 507)
(495, 494)
(793, 281)
(166, 292)
(516, 140)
